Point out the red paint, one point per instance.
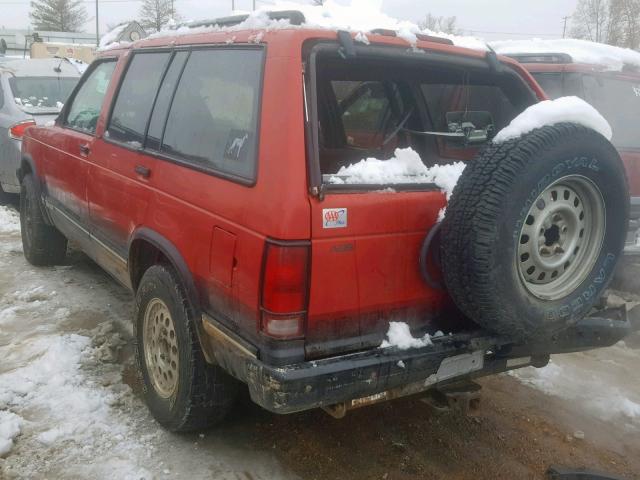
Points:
(342, 283)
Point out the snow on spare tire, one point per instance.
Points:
(536, 223)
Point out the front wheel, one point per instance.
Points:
(182, 391)
(42, 244)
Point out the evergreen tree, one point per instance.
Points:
(155, 14)
(58, 15)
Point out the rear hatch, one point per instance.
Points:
(382, 158)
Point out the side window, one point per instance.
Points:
(213, 119)
(365, 108)
(163, 102)
(85, 108)
(131, 111)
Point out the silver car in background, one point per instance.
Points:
(32, 92)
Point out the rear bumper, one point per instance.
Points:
(365, 378)
(9, 165)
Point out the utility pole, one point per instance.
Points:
(97, 25)
(173, 12)
(564, 29)
(233, 6)
(254, 5)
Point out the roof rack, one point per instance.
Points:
(420, 36)
(559, 58)
(295, 17)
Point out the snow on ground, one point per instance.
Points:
(9, 220)
(65, 409)
(10, 427)
(600, 381)
(582, 51)
(551, 112)
(360, 17)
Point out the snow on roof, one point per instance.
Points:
(111, 37)
(551, 112)
(581, 51)
(361, 16)
(40, 67)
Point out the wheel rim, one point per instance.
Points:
(160, 345)
(561, 238)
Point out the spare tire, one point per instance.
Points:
(534, 230)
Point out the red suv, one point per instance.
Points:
(615, 94)
(211, 174)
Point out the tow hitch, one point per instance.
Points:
(461, 398)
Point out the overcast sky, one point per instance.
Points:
(490, 19)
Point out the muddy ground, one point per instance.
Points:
(518, 432)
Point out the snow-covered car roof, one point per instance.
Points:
(360, 17)
(40, 67)
(605, 57)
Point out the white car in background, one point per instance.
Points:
(32, 92)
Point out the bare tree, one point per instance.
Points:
(58, 15)
(591, 20)
(625, 23)
(155, 14)
(440, 24)
(616, 22)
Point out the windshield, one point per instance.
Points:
(42, 92)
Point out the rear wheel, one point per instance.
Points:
(42, 244)
(182, 391)
(534, 230)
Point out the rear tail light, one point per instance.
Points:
(17, 131)
(285, 288)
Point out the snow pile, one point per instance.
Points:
(360, 16)
(110, 38)
(77, 408)
(399, 336)
(551, 112)
(602, 373)
(9, 220)
(10, 428)
(582, 51)
(405, 167)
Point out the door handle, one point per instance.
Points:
(143, 171)
(85, 149)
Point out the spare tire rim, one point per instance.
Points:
(160, 345)
(561, 238)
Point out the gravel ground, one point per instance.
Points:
(69, 405)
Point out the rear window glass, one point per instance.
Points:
(442, 99)
(551, 83)
(213, 119)
(43, 92)
(135, 99)
(618, 101)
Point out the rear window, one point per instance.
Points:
(213, 120)
(42, 92)
(618, 100)
(551, 83)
